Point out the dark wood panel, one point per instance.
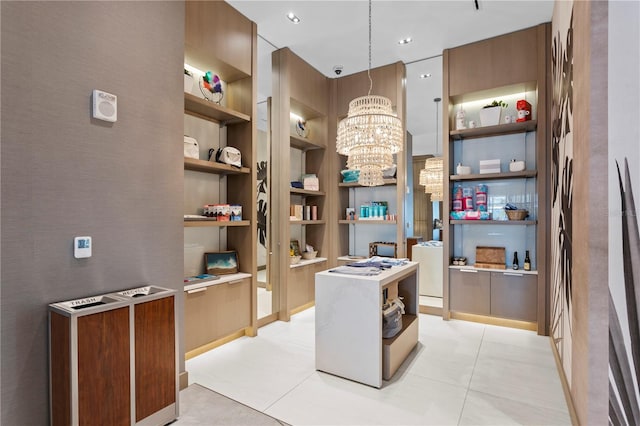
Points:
(216, 35)
(60, 356)
(495, 62)
(103, 368)
(155, 356)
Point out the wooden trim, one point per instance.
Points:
(183, 379)
(503, 322)
(267, 319)
(499, 130)
(302, 308)
(211, 111)
(566, 390)
(430, 310)
(212, 345)
(213, 167)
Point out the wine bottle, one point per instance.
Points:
(527, 261)
(515, 260)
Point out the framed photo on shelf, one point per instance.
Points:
(294, 248)
(221, 262)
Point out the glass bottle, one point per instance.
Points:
(515, 260)
(527, 261)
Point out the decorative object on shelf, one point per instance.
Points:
(489, 166)
(490, 114)
(432, 176)
(349, 176)
(460, 119)
(472, 124)
(507, 119)
(188, 81)
(294, 259)
(516, 166)
(370, 134)
(301, 128)
(463, 170)
(211, 87)
(229, 155)
(221, 262)
(236, 212)
(375, 246)
(481, 197)
(514, 213)
(515, 264)
(527, 261)
(459, 261)
(191, 149)
(309, 252)
(524, 110)
(310, 182)
(350, 213)
(294, 248)
(490, 257)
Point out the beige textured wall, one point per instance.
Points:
(589, 379)
(65, 174)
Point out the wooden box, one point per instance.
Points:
(490, 257)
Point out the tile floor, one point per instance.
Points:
(461, 373)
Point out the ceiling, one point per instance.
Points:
(334, 33)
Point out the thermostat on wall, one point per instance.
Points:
(81, 247)
(105, 106)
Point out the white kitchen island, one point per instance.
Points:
(349, 339)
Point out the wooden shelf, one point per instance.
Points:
(213, 167)
(190, 223)
(307, 262)
(298, 191)
(495, 176)
(387, 181)
(211, 111)
(368, 222)
(307, 222)
(499, 130)
(304, 143)
(492, 222)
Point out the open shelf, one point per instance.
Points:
(213, 167)
(211, 111)
(306, 192)
(221, 279)
(368, 222)
(307, 222)
(493, 222)
(495, 176)
(387, 181)
(304, 143)
(206, 221)
(505, 270)
(307, 262)
(499, 130)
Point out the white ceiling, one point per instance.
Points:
(336, 33)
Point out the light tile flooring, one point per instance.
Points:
(461, 373)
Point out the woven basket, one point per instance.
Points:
(517, 214)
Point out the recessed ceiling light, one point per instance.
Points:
(427, 75)
(293, 18)
(405, 40)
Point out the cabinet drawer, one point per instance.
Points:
(217, 311)
(514, 295)
(470, 291)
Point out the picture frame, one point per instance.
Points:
(221, 262)
(294, 248)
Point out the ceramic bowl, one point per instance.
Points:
(309, 254)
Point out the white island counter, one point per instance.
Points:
(349, 339)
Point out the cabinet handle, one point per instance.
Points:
(235, 282)
(513, 274)
(197, 290)
(473, 271)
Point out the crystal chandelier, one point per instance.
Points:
(370, 134)
(432, 176)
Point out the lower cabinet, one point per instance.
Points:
(470, 291)
(514, 296)
(510, 295)
(216, 311)
(302, 286)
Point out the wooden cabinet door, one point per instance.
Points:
(470, 291)
(514, 295)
